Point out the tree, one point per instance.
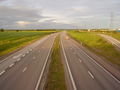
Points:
(17, 30)
(2, 30)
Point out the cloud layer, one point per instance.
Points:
(30, 14)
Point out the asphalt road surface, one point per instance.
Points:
(23, 70)
(83, 71)
(112, 40)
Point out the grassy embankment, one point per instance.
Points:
(98, 45)
(56, 78)
(12, 40)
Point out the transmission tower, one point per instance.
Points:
(111, 20)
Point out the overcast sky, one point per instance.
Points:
(35, 14)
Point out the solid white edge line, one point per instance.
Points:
(71, 77)
(37, 86)
(2, 72)
(101, 67)
(90, 74)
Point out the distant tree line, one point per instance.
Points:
(1, 30)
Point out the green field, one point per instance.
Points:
(98, 45)
(56, 78)
(12, 40)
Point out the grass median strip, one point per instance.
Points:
(98, 45)
(56, 78)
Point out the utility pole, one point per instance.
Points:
(111, 20)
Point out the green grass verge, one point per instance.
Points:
(56, 78)
(98, 45)
(12, 40)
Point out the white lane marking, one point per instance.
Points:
(2, 72)
(11, 65)
(30, 50)
(41, 41)
(18, 59)
(37, 86)
(71, 77)
(34, 57)
(23, 55)
(24, 69)
(27, 52)
(102, 68)
(90, 74)
(80, 60)
(14, 57)
(74, 52)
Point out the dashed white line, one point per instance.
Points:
(102, 67)
(23, 55)
(80, 60)
(2, 72)
(30, 50)
(14, 57)
(18, 59)
(11, 65)
(24, 69)
(74, 52)
(90, 74)
(27, 52)
(34, 57)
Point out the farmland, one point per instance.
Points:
(98, 45)
(12, 40)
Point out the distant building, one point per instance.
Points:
(118, 30)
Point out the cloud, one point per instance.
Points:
(22, 23)
(86, 17)
(57, 13)
(2, 0)
(44, 20)
(13, 15)
(80, 9)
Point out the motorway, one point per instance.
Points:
(23, 70)
(112, 40)
(83, 71)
